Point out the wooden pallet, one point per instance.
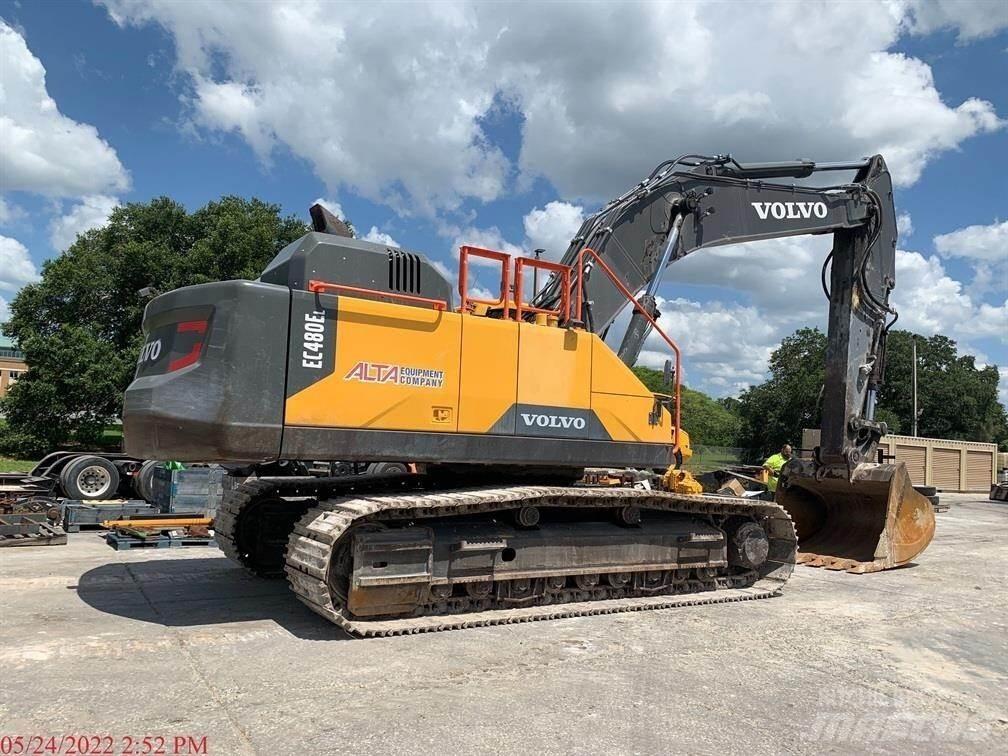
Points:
(121, 541)
(32, 529)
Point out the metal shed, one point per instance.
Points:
(944, 463)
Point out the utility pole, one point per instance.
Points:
(913, 341)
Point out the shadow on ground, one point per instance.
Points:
(193, 592)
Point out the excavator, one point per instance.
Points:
(344, 349)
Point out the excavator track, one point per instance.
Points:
(285, 500)
(316, 562)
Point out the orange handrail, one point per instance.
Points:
(317, 287)
(564, 271)
(622, 288)
(504, 259)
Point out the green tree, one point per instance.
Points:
(955, 398)
(706, 420)
(80, 325)
(776, 411)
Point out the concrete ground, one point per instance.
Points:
(180, 643)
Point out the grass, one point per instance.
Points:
(709, 458)
(15, 465)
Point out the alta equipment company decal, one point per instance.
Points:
(373, 372)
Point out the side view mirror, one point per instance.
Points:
(668, 374)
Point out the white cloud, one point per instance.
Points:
(726, 344)
(332, 206)
(779, 276)
(380, 237)
(42, 150)
(9, 212)
(4, 310)
(91, 212)
(552, 227)
(593, 121)
(725, 347)
(392, 105)
(16, 267)
(904, 224)
(384, 99)
(930, 301)
(483, 275)
(989, 243)
(897, 110)
(486, 238)
(986, 247)
(549, 228)
(973, 19)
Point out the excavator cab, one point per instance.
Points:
(868, 521)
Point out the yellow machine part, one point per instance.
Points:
(681, 482)
(874, 521)
(174, 522)
(485, 367)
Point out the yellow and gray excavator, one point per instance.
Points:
(348, 350)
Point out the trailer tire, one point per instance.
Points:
(143, 482)
(928, 491)
(89, 477)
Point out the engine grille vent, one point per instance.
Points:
(403, 272)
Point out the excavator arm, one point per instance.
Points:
(695, 202)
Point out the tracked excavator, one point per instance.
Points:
(348, 350)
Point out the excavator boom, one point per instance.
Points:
(850, 511)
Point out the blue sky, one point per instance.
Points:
(497, 125)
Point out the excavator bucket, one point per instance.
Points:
(874, 521)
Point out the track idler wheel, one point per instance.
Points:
(748, 546)
(630, 516)
(527, 517)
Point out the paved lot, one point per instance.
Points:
(181, 643)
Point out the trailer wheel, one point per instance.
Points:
(89, 477)
(143, 482)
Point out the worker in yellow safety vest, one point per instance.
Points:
(774, 464)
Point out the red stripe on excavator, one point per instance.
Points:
(189, 326)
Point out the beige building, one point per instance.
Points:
(946, 464)
(12, 364)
